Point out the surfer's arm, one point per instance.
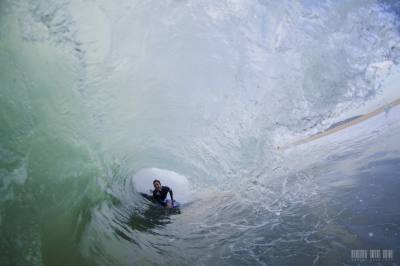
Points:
(172, 196)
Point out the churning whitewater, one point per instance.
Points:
(218, 100)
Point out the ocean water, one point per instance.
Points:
(98, 98)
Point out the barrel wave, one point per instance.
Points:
(98, 98)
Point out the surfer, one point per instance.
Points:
(160, 194)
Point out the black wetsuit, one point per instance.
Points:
(160, 196)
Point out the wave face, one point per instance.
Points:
(93, 92)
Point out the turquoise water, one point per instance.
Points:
(97, 98)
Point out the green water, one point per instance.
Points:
(47, 169)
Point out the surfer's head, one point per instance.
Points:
(157, 184)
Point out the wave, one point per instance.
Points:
(93, 92)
